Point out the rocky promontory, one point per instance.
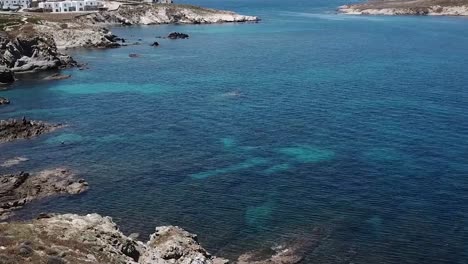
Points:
(16, 190)
(165, 14)
(91, 238)
(26, 50)
(406, 7)
(13, 129)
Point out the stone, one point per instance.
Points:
(177, 35)
(16, 190)
(4, 101)
(155, 44)
(14, 129)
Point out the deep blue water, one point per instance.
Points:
(251, 134)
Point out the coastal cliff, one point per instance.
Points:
(403, 7)
(29, 51)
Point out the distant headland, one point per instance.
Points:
(405, 7)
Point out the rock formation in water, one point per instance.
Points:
(177, 35)
(91, 238)
(16, 190)
(4, 101)
(23, 129)
(29, 52)
(406, 7)
(165, 14)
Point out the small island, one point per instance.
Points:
(405, 7)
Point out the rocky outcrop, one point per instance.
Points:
(4, 101)
(75, 35)
(177, 35)
(91, 238)
(23, 129)
(16, 190)
(164, 14)
(30, 53)
(402, 7)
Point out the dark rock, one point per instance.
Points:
(129, 249)
(155, 44)
(133, 55)
(177, 35)
(23, 129)
(4, 101)
(25, 250)
(6, 75)
(55, 260)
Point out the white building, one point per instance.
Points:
(14, 4)
(158, 1)
(70, 6)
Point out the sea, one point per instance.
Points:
(345, 136)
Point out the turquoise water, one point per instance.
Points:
(253, 134)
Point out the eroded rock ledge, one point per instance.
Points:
(16, 190)
(13, 129)
(405, 7)
(28, 51)
(91, 238)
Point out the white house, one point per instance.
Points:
(14, 4)
(158, 1)
(70, 6)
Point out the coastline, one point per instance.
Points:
(32, 42)
(401, 8)
(36, 44)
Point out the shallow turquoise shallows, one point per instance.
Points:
(254, 134)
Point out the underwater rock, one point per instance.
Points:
(12, 162)
(177, 35)
(57, 76)
(16, 190)
(23, 129)
(133, 55)
(4, 101)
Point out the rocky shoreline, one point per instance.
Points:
(17, 190)
(402, 7)
(14, 129)
(33, 43)
(38, 46)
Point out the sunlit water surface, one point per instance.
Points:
(251, 134)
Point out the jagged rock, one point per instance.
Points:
(172, 244)
(13, 129)
(16, 190)
(155, 44)
(95, 239)
(29, 53)
(177, 35)
(4, 101)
